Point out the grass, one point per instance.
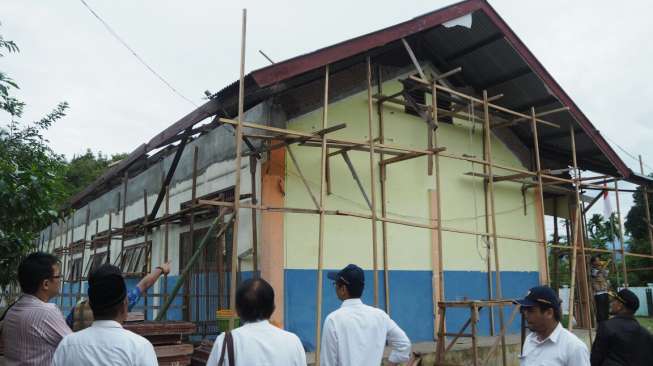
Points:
(646, 322)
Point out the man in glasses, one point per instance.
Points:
(32, 327)
(549, 343)
(621, 340)
(356, 334)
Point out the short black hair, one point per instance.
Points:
(254, 300)
(595, 257)
(107, 292)
(355, 291)
(35, 268)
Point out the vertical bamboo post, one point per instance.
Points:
(124, 220)
(540, 194)
(252, 172)
(71, 259)
(382, 181)
(486, 210)
(239, 138)
(50, 239)
(474, 320)
(437, 285)
(574, 238)
(108, 260)
(370, 133)
(198, 266)
(81, 273)
(646, 205)
(488, 150)
(556, 241)
(621, 235)
(320, 249)
(166, 234)
(64, 253)
(148, 250)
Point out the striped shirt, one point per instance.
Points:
(32, 330)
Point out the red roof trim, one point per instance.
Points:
(301, 64)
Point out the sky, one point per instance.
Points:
(598, 51)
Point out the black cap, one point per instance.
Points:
(628, 298)
(352, 276)
(106, 287)
(540, 295)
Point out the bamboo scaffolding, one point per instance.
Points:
(124, 220)
(320, 250)
(148, 250)
(649, 230)
(488, 156)
(238, 137)
(373, 183)
(436, 250)
(81, 272)
(621, 235)
(383, 192)
(166, 233)
(191, 235)
(540, 194)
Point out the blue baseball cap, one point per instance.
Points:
(540, 295)
(352, 276)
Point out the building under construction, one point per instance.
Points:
(428, 153)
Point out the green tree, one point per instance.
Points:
(30, 175)
(83, 169)
(636, 229)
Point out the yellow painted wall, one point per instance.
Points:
(349, 240)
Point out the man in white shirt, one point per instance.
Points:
(257, 342)
(356, 334)
(549, 343)
(105, 342)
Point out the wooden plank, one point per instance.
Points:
(354, 175)
(173, 350)
(155, 328)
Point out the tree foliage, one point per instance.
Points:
(30, 175)
(83, 169)
(636, 229)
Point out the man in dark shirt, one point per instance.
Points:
(621, 341)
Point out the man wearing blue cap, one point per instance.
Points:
(621, 341)
(356, 334)
(549, 343)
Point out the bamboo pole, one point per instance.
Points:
(621, 235)
(646, 206)
(108, 259)
(540, 194)
(437, 276)
(198, 268)
(576, 225)
(382, 181)
(252, 170)
(64, 255)
(239, 135)
(124, 220)
(184, 273)
(302, 177)
(488, 150)
(166, 234)
(488, 251)
(81, 273)
(370, 133)
(320, 250)
(148, 249)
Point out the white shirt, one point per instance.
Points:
(105, 342)
(261, 344)
(560, 348)
(356, 334)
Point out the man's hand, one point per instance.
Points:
(165, 267)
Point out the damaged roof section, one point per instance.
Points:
(470, 35)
